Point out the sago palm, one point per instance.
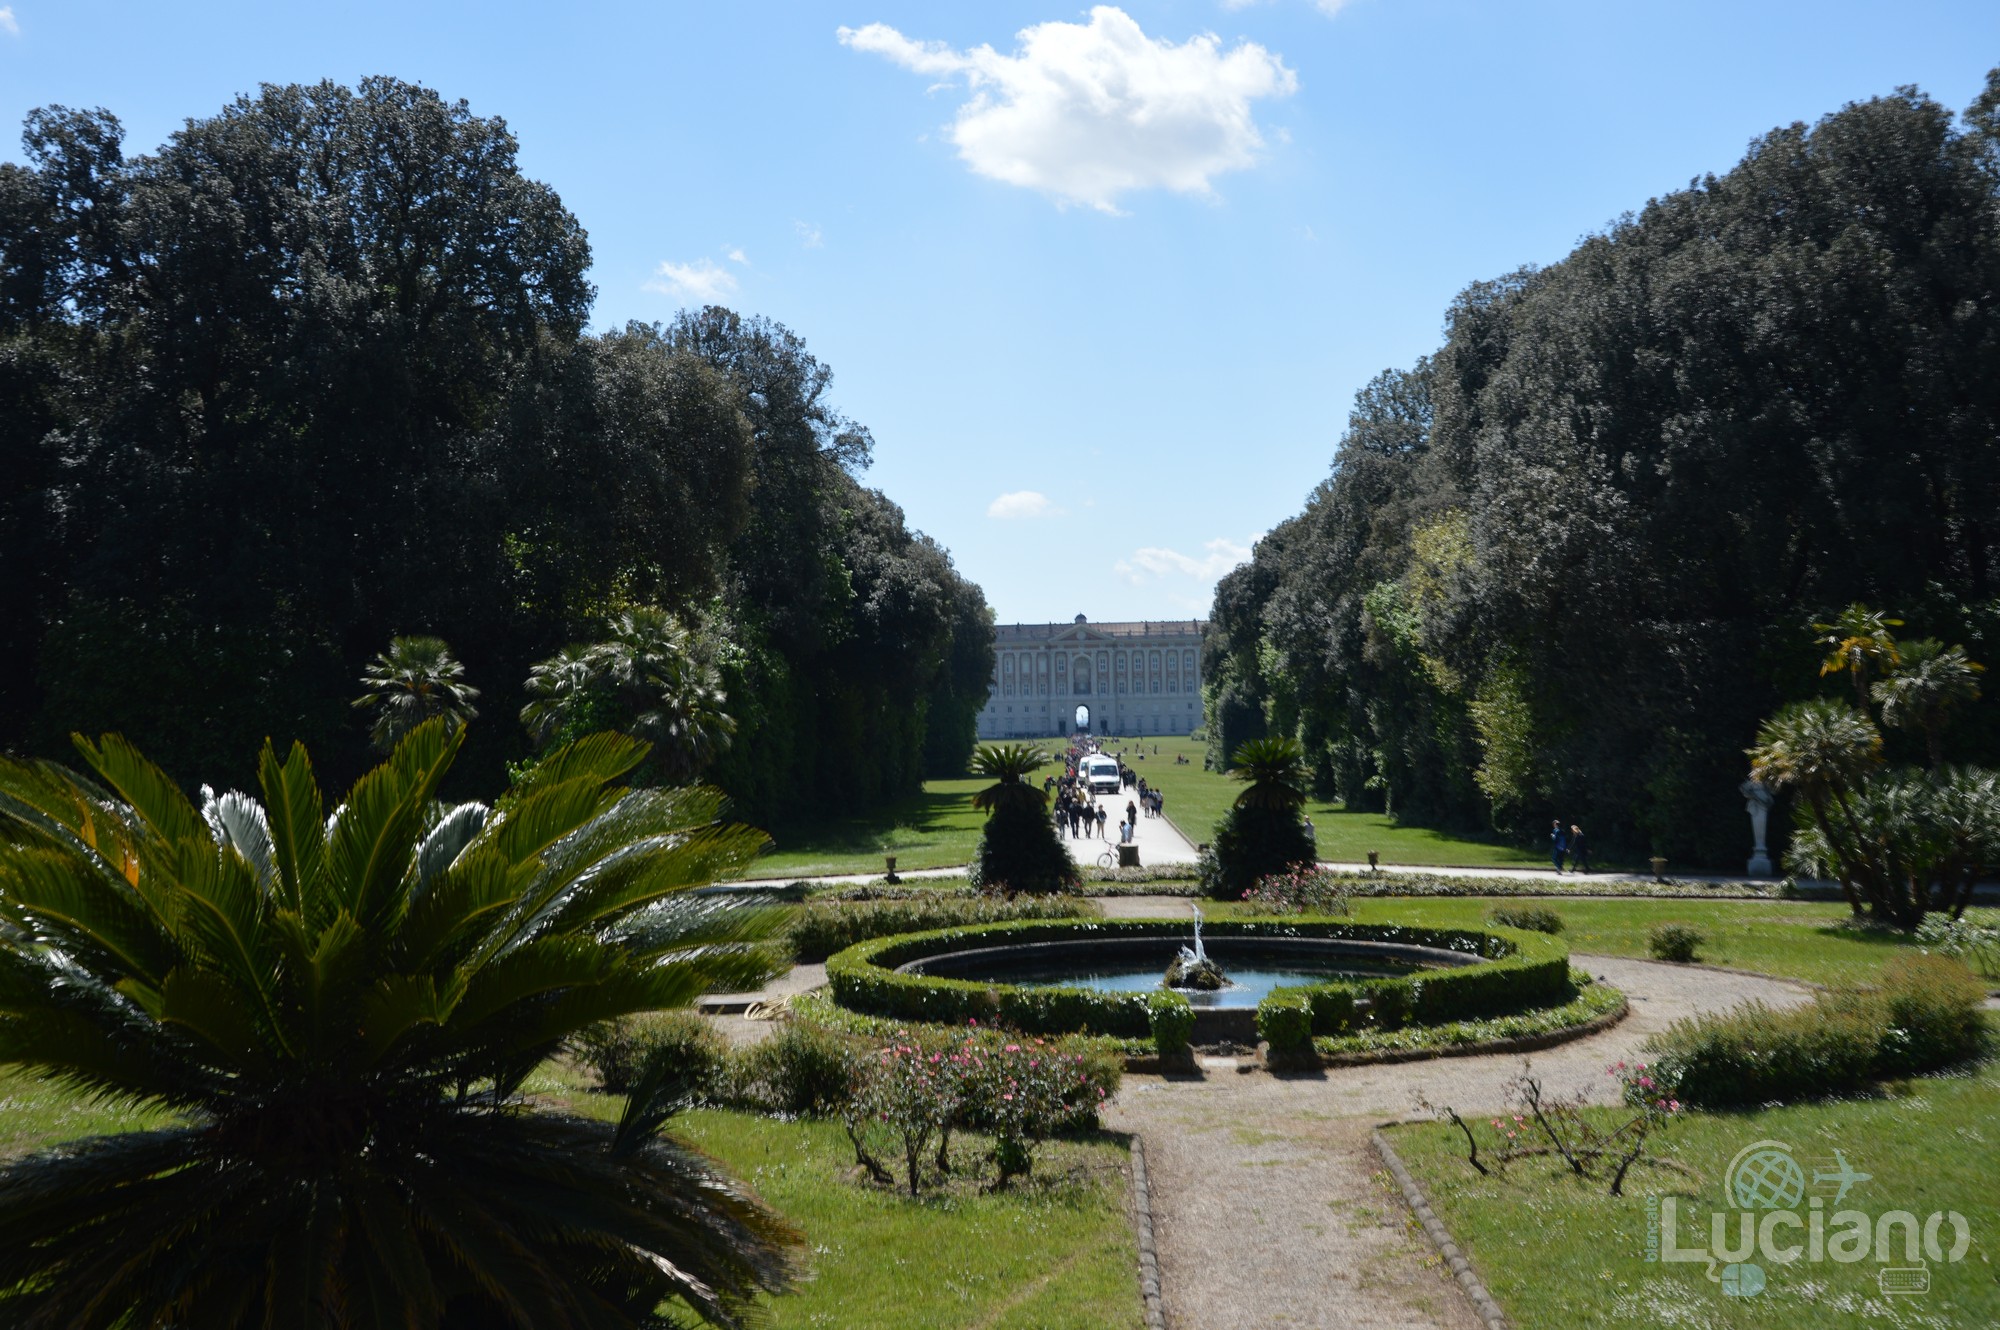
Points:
(1273, 771)
(341, 1009)
(416, 679)
(1008, 766)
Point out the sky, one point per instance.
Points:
(1101, 282)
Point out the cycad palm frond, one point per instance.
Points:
(1274, 773)
(344, 1006)
(1009, 766)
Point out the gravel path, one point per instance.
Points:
(1270, 1208)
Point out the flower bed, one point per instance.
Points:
(1516, 971)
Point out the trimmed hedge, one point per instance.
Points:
(1520, 970)
(820, 929)
(1173, 1022)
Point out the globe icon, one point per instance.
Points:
(1767, 1178)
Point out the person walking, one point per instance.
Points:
(1131, 812)
(1558, 846)
(1579, 852)
(1102, 818)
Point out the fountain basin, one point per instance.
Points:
(1100, 976)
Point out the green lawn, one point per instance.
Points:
(1556, 1252)
(1196, 799)
(1792, 939)
(1056, 1253)
(936, 829)
(35, 1113)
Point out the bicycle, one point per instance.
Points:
(1109, 859)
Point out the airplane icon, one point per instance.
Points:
(1844, 1175)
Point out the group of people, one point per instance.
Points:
(1570, 845)
(1077, 809)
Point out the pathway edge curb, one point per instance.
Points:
(1149, 1256)
(1420, 1205)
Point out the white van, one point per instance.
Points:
(1100, 773)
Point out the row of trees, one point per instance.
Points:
(316, 374)
(1567, 564)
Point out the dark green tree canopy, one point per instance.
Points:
(1565, 562)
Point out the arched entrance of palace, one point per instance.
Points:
(1083, 718)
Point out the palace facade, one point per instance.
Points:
(1131, 678)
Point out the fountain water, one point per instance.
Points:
(1193, 968)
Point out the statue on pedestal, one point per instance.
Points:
(1757, 801)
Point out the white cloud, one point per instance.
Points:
(1153, 562)
(1087, 112)
(698, 283)
(8, 23)
(1020, 504)
(809, 235)
(735, 254)
(1330, 7)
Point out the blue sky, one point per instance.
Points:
(1103, 289)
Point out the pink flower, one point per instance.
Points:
(1007, 1096)
(1013, 1048)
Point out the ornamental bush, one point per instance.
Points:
(1250, 844)
(1020, 852)
(1173, 1023)
(1284, 1021)
(618, 1050)
(1675, 942)
(822, 928)
(803, 1070)
(1302, 889)
(1926, 1015)
(1532, 918)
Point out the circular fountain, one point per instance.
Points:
(1099, 976)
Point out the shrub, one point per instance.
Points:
(1173, 1023)
(823, 928)
(1533, 918)
(1304, 889)
(1926, 1015)
(801, 1069)
(1250, 844)
(1019, 851)
(1933, 1009)
(617, 1050)
(1675, 942)
(1284, 1021)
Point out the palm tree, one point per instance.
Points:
(1262, 832)
(561, 699)
(1009, 765)
(415, 679)
(1930, 682)
(1273, 771)
(1823, 750)
(665, 678)
(1019, 848)
(342, 1009)
(652, 677)
(1857, 641)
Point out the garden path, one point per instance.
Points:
(1269, 1206)
(1159, 841)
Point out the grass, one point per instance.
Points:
(1055, 1253)
(1556, 1252)
(938, 828)
(1790, 939)
(1196, 800)
(35, 1113)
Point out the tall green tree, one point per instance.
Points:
(341, 1010)
(1263, 832)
